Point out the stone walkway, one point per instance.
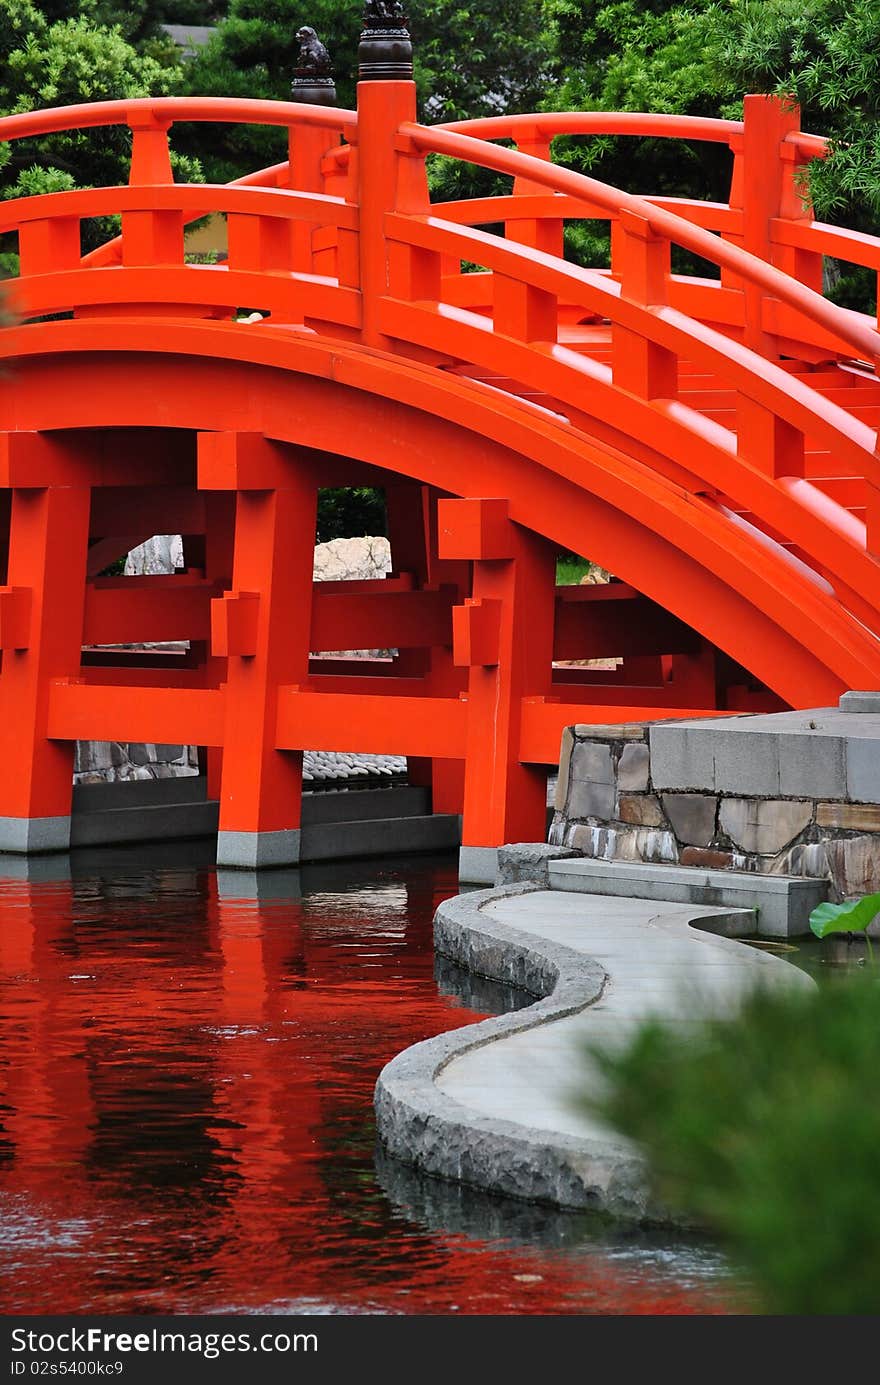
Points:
(496, 1104)
(656, 964)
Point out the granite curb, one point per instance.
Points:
(422, 1126)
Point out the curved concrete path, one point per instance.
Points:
(494, 1104)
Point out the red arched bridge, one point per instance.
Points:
(710, 438)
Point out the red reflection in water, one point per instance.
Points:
(186, 1115)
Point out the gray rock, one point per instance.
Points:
(142, 754)
(642, 810)
(587, 799)
(745, 762)
(167, 754)
(764, 826)
(623, 844)
(351, 560)
(595, 842)
(806, 858)
(681, 758)
(812, 766)
(618, 731)
(692, 816)
(647, 845)
(862, 771)
(558, 828)
(565, 749)
(855, 865)
(162, 554)
(92, 756)
(592, 762)
(861, 700)
(528, 861)
(855, 817)
(633, 768)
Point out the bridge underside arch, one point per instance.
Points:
(487, 674)
(748, 597)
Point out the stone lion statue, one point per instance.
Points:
(314, 60)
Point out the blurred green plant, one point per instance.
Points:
(766, 1129)
(853, 916)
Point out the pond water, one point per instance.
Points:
(186, 1119)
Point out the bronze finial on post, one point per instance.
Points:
(385, 49)
(313, 81)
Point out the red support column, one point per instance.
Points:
(412, 530)
(262, 626)
(219, 547)
(41, 624)
(504, 634)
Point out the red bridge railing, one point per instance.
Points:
(345, 238)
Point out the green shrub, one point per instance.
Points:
(349, 512)
(766, 1128)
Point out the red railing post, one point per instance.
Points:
(150, 155)
(46, 247)
(640, 261)
(770, 189)
(307, 145)
(151, 238)
(546, 234)
(390, 174)
(382, 108)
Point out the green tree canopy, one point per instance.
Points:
(47, 62)
(469, 61)
(827, 54)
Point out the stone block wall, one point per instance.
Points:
(111, 762)
(710, 795)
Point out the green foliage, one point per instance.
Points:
(74, 60)
(570, 570)
(467, 63)
(655, 55)
(827, 53)
(638, 55)
(254, 54)
(350, 512)
(33, 181)
(57, 61)
(766, 1129)
(472, 60)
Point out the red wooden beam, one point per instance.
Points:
(128, 610)
(174, 716)
(375, 724)
(379, 620)
(611, 621)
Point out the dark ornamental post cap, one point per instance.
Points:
(385, 49)
(313, 82)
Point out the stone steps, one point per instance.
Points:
(782, 902)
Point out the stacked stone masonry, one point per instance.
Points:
(795, 793)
